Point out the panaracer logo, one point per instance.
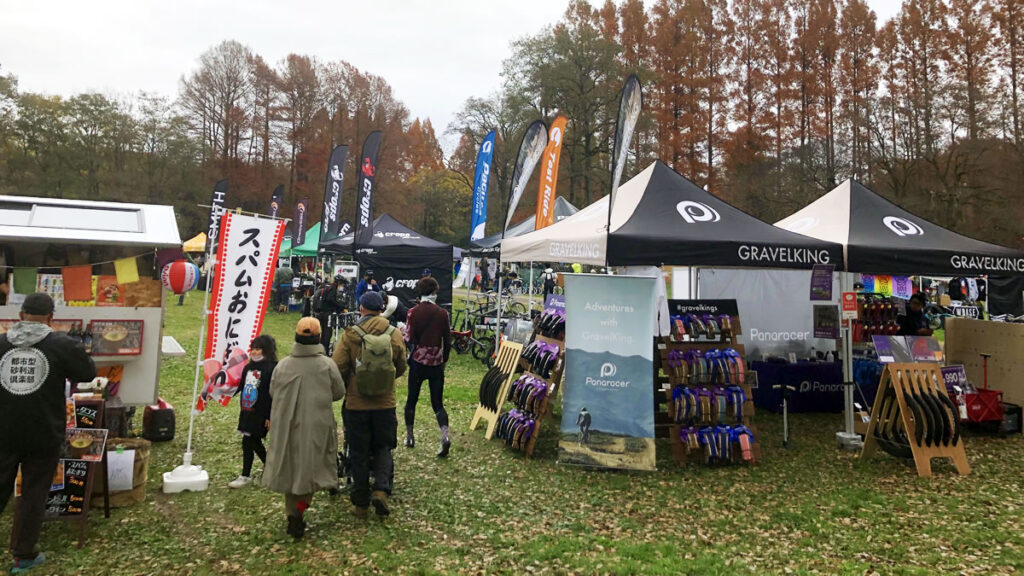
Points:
(803, 225)
(608, 371)
(807, 386)
(902, 227)
(694, 212)
(762, 336)
(301, 207)
(368, 169)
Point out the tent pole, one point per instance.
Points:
(469, 287)
(529, 289)
(848, 439)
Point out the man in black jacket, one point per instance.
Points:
(35, 365)
(332, 304)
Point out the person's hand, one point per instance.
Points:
(267, 424)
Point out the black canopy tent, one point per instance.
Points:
(489, 245)
(661, 218)
(880, 237)
(398, 255)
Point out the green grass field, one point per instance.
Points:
(809, 509)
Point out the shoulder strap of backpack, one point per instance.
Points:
(359, 330)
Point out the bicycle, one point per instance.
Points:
(463, 341)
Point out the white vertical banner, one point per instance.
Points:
(248, 248)
(608, 397)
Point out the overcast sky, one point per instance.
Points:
(435, 53)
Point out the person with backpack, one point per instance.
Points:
(303, 455)
(430, 342)
(370, 356)
(550, 280)
(254, 416)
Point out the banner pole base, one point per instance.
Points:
(848, 441)
(186, 477)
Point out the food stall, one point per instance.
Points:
(98, 260)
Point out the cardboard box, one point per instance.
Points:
(861, 419)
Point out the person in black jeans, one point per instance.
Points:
(429, 337)
(35, 365)
(333, 304)
(254, 416)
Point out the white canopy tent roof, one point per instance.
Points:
(86, 222)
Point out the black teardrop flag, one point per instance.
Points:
(333, 186)
(220, 192)
(367, 177)
(276, 198)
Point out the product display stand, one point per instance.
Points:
(543, 410)
(912, 409)
(507, 361)
(706, 382)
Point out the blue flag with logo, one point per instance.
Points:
(480, 183)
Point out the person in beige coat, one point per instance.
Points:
(303, 453)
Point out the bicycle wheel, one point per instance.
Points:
(460, 345)
(517, 310)
(484, 352)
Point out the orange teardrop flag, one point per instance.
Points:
(549, 176)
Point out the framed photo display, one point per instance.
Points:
(116, 337)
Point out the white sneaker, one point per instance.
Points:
(240, 482)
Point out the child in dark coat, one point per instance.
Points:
(254, 393)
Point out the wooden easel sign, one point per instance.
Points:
(914, 417)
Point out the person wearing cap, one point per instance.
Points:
(35, 364)
(426, 273)
(303, 453)
(429, 336)
(371, 426)
(367, 284)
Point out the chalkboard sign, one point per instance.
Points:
(70, 500)
(86, 413)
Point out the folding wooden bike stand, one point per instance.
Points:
(507, 360)
(895, 416)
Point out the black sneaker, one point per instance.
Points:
(446, 446)
(410, 442)
(296, 526)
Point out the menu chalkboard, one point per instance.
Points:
(70, 499)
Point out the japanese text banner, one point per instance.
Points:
(248, 249)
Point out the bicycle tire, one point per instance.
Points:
(517, 310)
(460, 346)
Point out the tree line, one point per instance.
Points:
(771, 103)
(767, 103)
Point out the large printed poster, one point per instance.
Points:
(244, 274)
(608, 398)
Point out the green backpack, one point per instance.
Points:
(375, 370)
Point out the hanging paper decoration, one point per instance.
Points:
(222, 380)
(180, 276)
(127, 270)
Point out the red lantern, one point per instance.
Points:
(180, 276)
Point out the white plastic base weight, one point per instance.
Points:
(186, 477)
(849, 441)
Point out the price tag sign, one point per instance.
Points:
(849, 305)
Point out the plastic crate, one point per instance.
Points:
(984, 406)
